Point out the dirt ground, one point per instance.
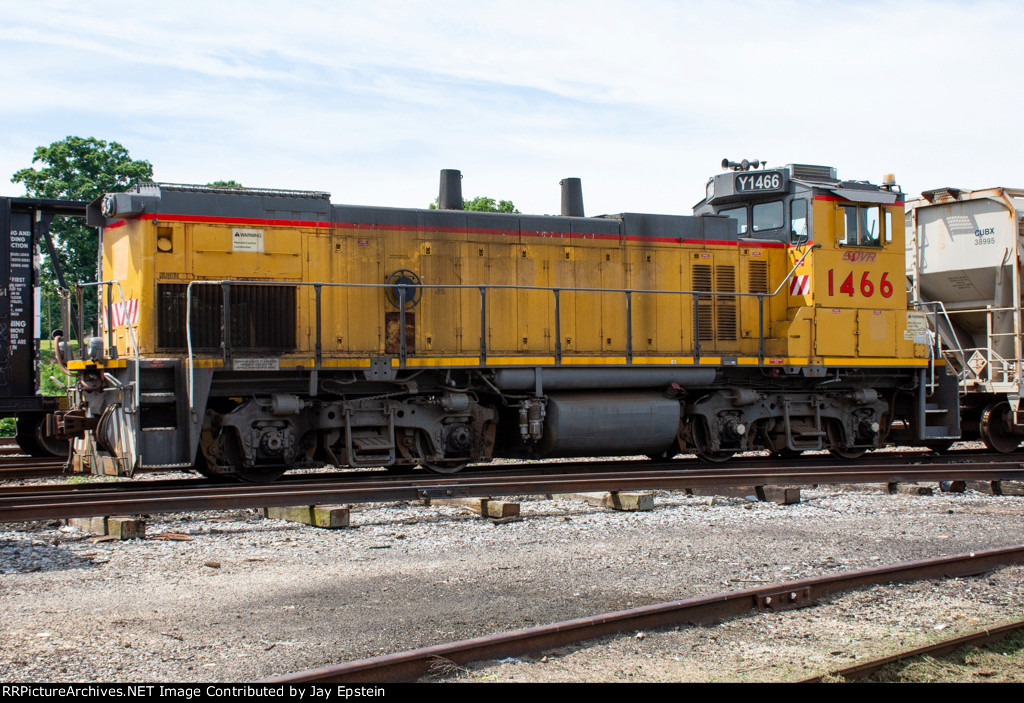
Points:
(245, 598)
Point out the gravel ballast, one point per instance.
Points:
(245, 598)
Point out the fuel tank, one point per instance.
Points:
(602, 424)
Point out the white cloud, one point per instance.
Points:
(641, 99)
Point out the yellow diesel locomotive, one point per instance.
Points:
(246, 332)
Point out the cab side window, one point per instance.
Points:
(798, 222)
(870, 227)
(859, 225)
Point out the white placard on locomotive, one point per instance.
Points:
(762, 181)
(917, 321)
(247, 240)
(256, 364)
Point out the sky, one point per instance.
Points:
(641, 99)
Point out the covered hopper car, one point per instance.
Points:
(964, 258)
(246, 332)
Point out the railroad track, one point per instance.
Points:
(20, 503)
(974, 639)
(15, 464)
(19, 467)
(410, 665)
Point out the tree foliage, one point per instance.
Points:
(482, 203)
(225, 184)
(78, 168)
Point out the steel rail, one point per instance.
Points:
(818, 462)
(986, 636)
(544, 476)
(19, 461)
(411, 665)
(18, 466)
(963, 456)
(118, 500)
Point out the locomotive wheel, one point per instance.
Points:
(255, 474)
(700, 438)
(227, 471)
(33, 440)
(445, 467)
(996, 428)
(847, 453)
(437, 466)
(835, 437)
(715, 457)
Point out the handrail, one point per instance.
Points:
(556, 291)
(938, 337)
(107, 321)
(109, 327)
(795, 267)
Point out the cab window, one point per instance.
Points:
(860, 225)
(798, 222)
(870, 227)
(768, 216)
(740, 215)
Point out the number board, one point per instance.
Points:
(759, 182)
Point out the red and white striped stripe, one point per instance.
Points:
(122, 313)
(800, 285)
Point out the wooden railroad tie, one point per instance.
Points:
(775, 494)
(998, 488)
(912, 489)
(329, 517)
(120, 528)
(496, 510)
(616, 500)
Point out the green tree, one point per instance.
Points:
(225, 184)
(482, 203)
(79, 168)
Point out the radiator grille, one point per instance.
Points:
(757, 275)
(262, 317)
(810, 172)
(725, 312)
(705, 303)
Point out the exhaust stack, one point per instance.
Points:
(449, 196)
(572, 197)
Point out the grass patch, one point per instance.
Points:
(46, 350)
(1000, 662)
(76, 479)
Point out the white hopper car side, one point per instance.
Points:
(964, 254)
